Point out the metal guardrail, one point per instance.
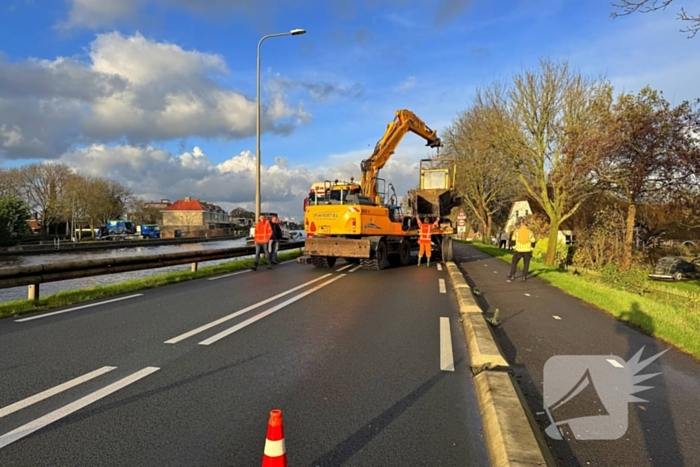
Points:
(34, 275)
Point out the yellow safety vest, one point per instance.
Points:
(523, 239)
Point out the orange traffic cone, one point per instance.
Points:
(275, 454)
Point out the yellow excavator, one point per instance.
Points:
(362, 222)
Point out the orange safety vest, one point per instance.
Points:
(263, 232)
(426, 231)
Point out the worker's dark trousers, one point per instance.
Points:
(526, 256)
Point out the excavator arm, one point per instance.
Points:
(404, 122)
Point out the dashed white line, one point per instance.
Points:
(556, 317)
(614, 363)
(53, 313)
(345, 267)
(265, 313)
(441, 284)
(359, 266)
(439, 267)
(184, 336)
(19, 405)
(66, 410)
(228, 275)
(446, 358)
(528, 295)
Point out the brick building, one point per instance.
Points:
(194, 218)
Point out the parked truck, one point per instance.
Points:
(148, 230)
(363, 222)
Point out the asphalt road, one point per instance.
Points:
(540, 322)
(356, 361)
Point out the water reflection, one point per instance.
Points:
(73, 284)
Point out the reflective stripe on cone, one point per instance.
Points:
(275, 454)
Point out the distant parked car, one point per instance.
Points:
(675, 268)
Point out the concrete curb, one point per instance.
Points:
(512, 439)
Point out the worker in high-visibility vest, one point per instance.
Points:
(523, 239)
(263, 233)
(425, 239)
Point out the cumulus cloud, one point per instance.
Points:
(155, 173)
(132, 89)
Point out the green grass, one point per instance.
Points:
(686, 286)
(70, 297)
(666, 320)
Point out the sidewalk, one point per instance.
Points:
(539, 321)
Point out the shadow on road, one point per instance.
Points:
(141, 396)
(353, 444)
(655, 417)
(560, 449)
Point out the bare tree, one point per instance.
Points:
(10, 183)
(485, 176)
(627, 7)
(43, 187)
(542, 122)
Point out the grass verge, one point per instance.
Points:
(70, 297)
(665, 320)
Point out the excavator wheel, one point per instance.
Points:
(404, 253)
(323, 261)
(379, 261)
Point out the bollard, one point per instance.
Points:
(33, 292)
(193, 267)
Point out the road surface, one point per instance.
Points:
(368, 368)
(539, 322)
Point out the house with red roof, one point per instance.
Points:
(190, 217)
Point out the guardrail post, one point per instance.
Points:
(193, 267)
(33, 292)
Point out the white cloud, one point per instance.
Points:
(97, 13)
(132, 89)
(155, 173)
(405, 85)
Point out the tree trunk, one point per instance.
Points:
(629, 238)
(489, 226)
(550, 258)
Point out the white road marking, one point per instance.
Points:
(228, 275)
(53, 391)
(66, 410)
(441, 283)
(359, 266)
(268, 312)
(77, 308)
(345, 267)
(527, 295)
(439, 266)
(184, 336)
(555, 317)
(614, 363)
(446, 359)
(495, 272)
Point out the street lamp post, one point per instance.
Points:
(293, 32)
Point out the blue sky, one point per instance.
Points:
(160, 94)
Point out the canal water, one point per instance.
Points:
(73, 284)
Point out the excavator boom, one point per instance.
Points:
(404, 122)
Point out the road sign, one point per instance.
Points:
(462, 215)
(461, 222)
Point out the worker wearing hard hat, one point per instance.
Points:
(425, 239)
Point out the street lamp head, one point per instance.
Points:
(296, 32)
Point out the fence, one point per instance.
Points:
(34, 275)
